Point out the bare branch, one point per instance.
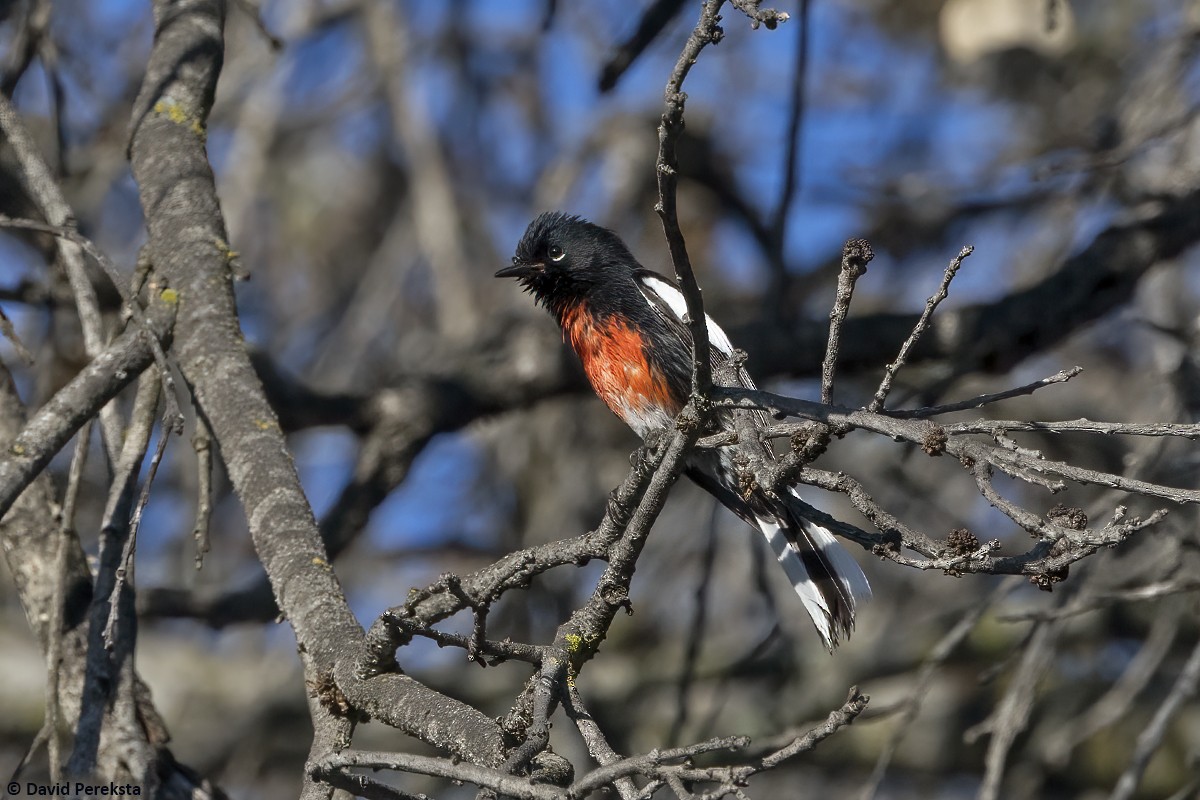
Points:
(856, 254)
(706, 32)
(594, 738)
(985, 399)
(837, 719)
(111, 646)
(885, 386)
(990, 426)
(202, 444)
(144, 404)
(501, 782)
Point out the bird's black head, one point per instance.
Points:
(562, 258)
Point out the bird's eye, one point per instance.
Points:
(516, 261)
(555, 252)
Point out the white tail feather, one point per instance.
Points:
(806, 588)
(849, 574)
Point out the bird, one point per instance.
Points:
(628, 326)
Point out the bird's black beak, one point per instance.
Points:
(520, 269)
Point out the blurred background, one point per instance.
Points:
(378, 161)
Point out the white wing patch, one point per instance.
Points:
(675, 301)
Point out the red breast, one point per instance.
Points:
(614, 358)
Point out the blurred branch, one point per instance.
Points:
(24, 47)
(1152, 735)
(792, 160)
(696, 630)
(911, 705)
(502, 372)
(440, 231)
(995, 336)
(1012, 715)
(1108, 709)
(128, 305)
(9, 332)
(40, 183)
(654, 20)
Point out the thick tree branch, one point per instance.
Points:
(81, 399)
(188, 244)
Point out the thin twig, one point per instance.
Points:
(202, 444)
(124, 573)
(706, 32)
(594, 738)
(885, 386)
(856, 254)
(985, 399)
(767, 17)
(855, 704)
(1081, 425)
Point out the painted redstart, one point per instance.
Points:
(628, 326)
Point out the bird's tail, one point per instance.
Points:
(828, 580)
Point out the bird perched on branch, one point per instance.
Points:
(628, 326)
